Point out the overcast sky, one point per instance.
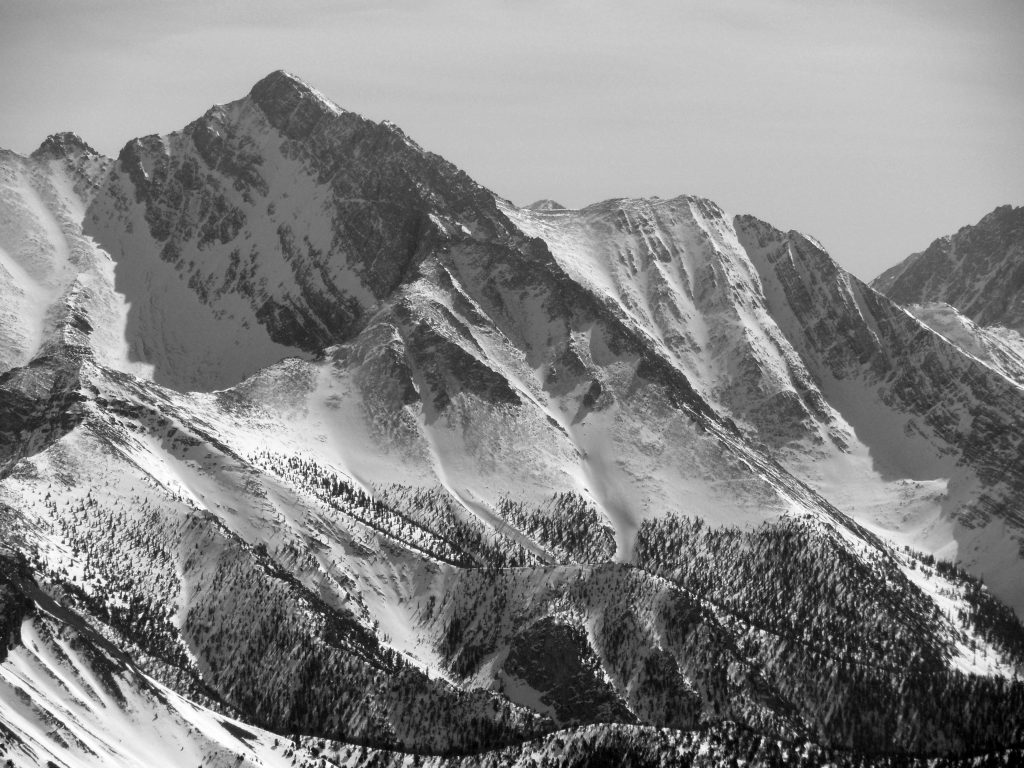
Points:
(874, 126)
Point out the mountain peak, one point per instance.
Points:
(545, 205)
(283, 96)
(282, 78)
(64, 144)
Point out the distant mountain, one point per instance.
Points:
(979, 270)
(314, 451)
(969, 287)
(545, 205)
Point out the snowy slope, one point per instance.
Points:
(58, 284)
(1000, 348)
(675, 269)
(68, 698)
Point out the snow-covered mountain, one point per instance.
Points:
(302, 431)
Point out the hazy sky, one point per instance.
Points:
(874, 126)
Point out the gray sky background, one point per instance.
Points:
(874, 126)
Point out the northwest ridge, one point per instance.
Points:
(315, 451)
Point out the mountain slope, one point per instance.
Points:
(924, 408)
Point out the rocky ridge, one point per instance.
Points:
(979, 270)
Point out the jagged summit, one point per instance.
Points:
(281, 94)
(61, 145)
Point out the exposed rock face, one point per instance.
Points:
(979, 270)
(39, 404)
(63, 146)
(15, 605)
